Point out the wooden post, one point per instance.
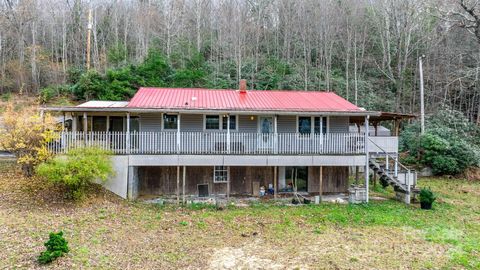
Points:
(127, 139)
(275, 182)
(63, 126)
(228, 183)
(320, 176)
(183, 184)
(178, 134)
(367, 158)
(357, 175)
(74, 122)
(85, 127)
(85, 123)
(228, 133)
(178, 184)
(275, 132)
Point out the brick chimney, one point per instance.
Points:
(243, 86)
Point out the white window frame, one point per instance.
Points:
(220, 120)
(312, 126)
(225, 169)
(163, 122)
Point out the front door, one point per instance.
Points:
(265, 136)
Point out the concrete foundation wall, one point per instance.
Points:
(118, 183)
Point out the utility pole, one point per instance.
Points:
(422, 103)
(89, 33)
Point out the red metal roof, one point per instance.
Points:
(233, 100)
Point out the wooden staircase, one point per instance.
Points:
(393, 173)
(402, 179)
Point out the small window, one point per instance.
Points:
(304, 125)
(212, 122)
(170, 121)
(233, 122)
(220, 174)
(320, 125)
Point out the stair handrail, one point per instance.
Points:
(407, 180)
(387, 154)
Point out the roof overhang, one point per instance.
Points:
(384, 116)
(207, 111)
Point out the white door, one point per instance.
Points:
(265, 130)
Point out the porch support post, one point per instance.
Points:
(178, 185)
(178, 136)
(85, 126)
(357, 174)
(183, 184)
(127, 139)
(275, 133)
(74, 122)
(228, 183)
(108, 124)
(228, 134)
(320, 188)
(275, 178)
(63, 125)
(367, 158)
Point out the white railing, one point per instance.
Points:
(197, 143)
(380, 144)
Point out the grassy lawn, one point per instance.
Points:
(107, 233)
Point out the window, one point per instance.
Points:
(320, 125)
(212, 122)
(220, 174)
(218, 122)
(233, 122)
(170, 121)
(304, 125)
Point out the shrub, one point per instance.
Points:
(56, 247)
(450, 144)
(26, 135)
(427, 196)
(6, 97)
(79, 169)
(51, 92)
(90, 85)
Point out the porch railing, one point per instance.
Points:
(198, 143)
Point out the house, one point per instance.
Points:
(206, 142)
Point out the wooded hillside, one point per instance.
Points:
(365, 50)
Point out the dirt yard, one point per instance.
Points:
(105, 232)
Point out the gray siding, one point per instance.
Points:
(194, 123)
(150, 122)
(191, 122)
(245, 124)
(286, 124)
(339, 124)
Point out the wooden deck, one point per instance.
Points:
(219, 143)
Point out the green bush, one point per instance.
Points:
(90, 85)
(6, 97)
(56, 247)
(427, 196)
(80, 168)
(54, 91)
(449, 145)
